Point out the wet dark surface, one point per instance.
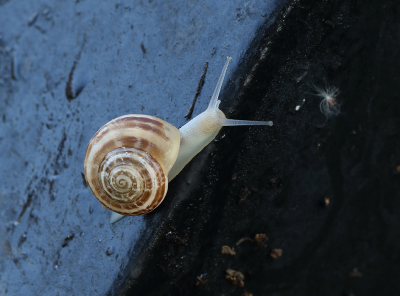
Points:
(251, 180)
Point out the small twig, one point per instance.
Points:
(198, 91)
(244, 239)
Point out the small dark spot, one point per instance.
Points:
(41, 30)
(73, 88)
(175, 239)
(275, 183)
(354, 273)
(244, 193)
(16, 262)
(202, 279)
(22, 239)
(67, 240)
(34, 215)
(79, 90)
(110, 251)
(60, 150)
(213, 52)
(13, 76)
(51, 183)
(33, 18)
(84, 180)
(26, 204)
(143, 48)
(303, 22)
(90, 209)
(329, 23)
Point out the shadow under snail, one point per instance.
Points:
(131, 159)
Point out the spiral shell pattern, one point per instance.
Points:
(127, 163)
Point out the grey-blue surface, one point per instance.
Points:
(67, 68)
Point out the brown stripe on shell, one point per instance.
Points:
(157, 200)
(140, 118)
(131, 122)
(133, 142)
(143, 123)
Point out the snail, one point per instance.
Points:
(131, 159)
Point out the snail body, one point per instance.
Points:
(131, 159)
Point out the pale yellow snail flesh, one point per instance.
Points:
(118, 140)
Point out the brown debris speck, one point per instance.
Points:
(276, 253)
(67, 240)
(329, 23)
(261, 237)
(354, 273)
(144, 50)
(244, 193)
(202, 279)
(236, 277)
(398, 169)
(247, 294)
(228, 250)
(174, 239)
(326, 202)
(243, 240)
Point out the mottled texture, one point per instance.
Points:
(66, 69)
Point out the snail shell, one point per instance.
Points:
(127, 163)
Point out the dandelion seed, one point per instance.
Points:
(328, 106)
